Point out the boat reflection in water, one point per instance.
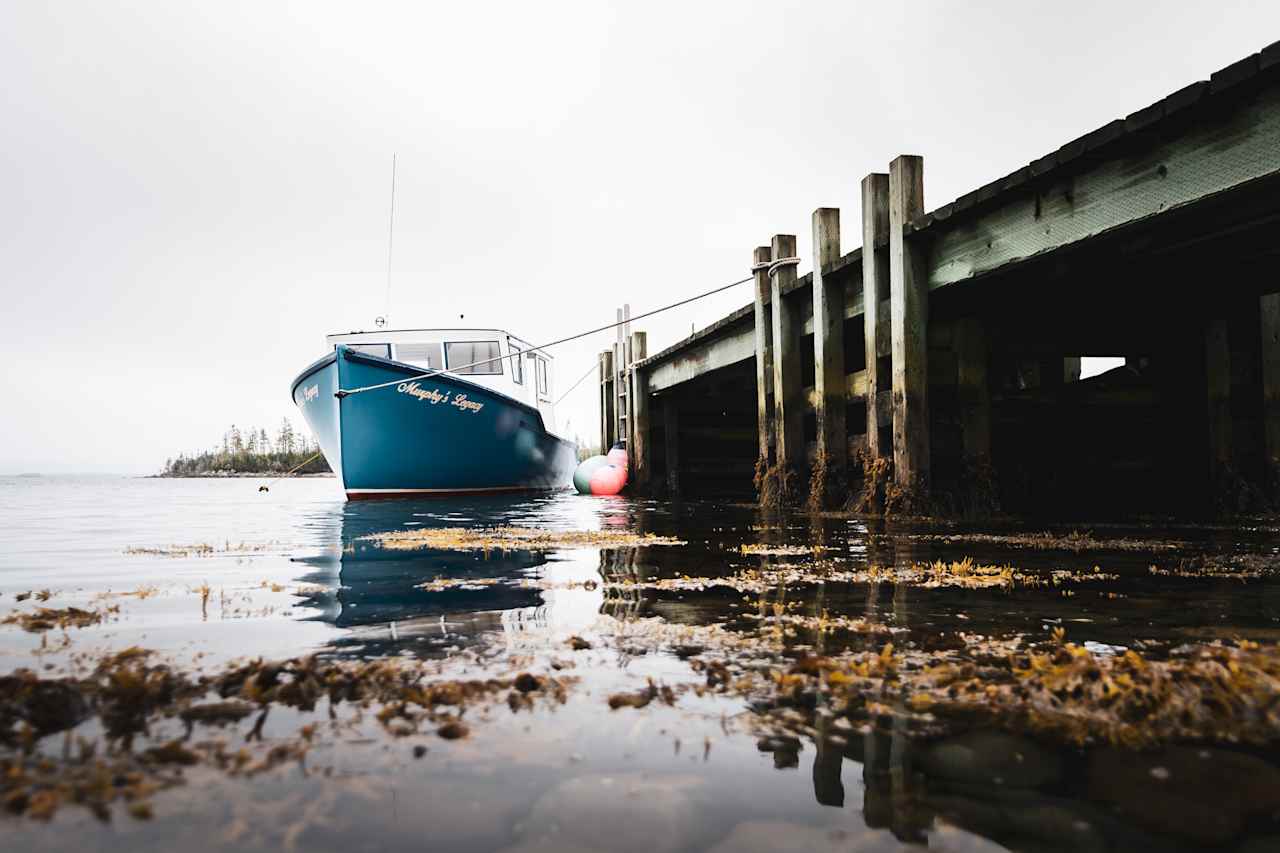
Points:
(383, 600)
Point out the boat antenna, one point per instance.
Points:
(391, 234)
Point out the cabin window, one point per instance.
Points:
(380, 350)
(427, 355)
(462, 357)
(543, 385)
(517, 364)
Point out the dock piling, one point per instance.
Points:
(638, 447)
(875, 286)
(608, 398)
(973, 388)
(909, 323)
(671, 444)
(1217, 364)
(1270, 310)
(760, 258)
(788, 420)
(830, 480)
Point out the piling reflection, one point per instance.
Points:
(1001, 786)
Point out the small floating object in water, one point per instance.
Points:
(602, 475)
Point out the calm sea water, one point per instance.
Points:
(211, 571)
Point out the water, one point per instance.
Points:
(210, 573)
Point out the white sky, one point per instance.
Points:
(192, 195)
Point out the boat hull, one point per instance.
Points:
(436, 436)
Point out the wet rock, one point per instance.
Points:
(770, 836)
(627, 812)
(453, 730)
(216, 713)
(1206, 795)
(991, 758)
(1026, 823)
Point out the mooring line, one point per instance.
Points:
(560, 399)
(343, 392)
(265, 486)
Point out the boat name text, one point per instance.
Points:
(434, 396)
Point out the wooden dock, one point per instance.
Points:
(944, 353)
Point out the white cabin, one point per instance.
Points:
(529, 378)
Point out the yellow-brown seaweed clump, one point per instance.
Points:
(513, 538)
(132, 697)
(1215, 693)
(48, 618)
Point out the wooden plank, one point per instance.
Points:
(671, 443)
(1225, 150)
(787, 422)
(638, 449)
(828, 347)
(909, 322)
(1217, 354)
(1270, 310)
(761, 348)
(875, 283)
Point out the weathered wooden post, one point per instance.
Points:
(671, 439)
(638, 448)
(788, 422)
(909, 323)
(1270, 310)
(608, 419)
(875, 284)
(1217, 363)
(764, 356)
(830, 473)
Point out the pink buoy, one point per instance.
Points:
(603, 475)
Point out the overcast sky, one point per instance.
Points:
(193, 195)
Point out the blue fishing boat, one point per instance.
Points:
(435, 412)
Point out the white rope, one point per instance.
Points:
(782, 262)
(590, 370)
(343, 392)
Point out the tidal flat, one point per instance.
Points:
(195, 663)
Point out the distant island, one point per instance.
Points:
(252, 452)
